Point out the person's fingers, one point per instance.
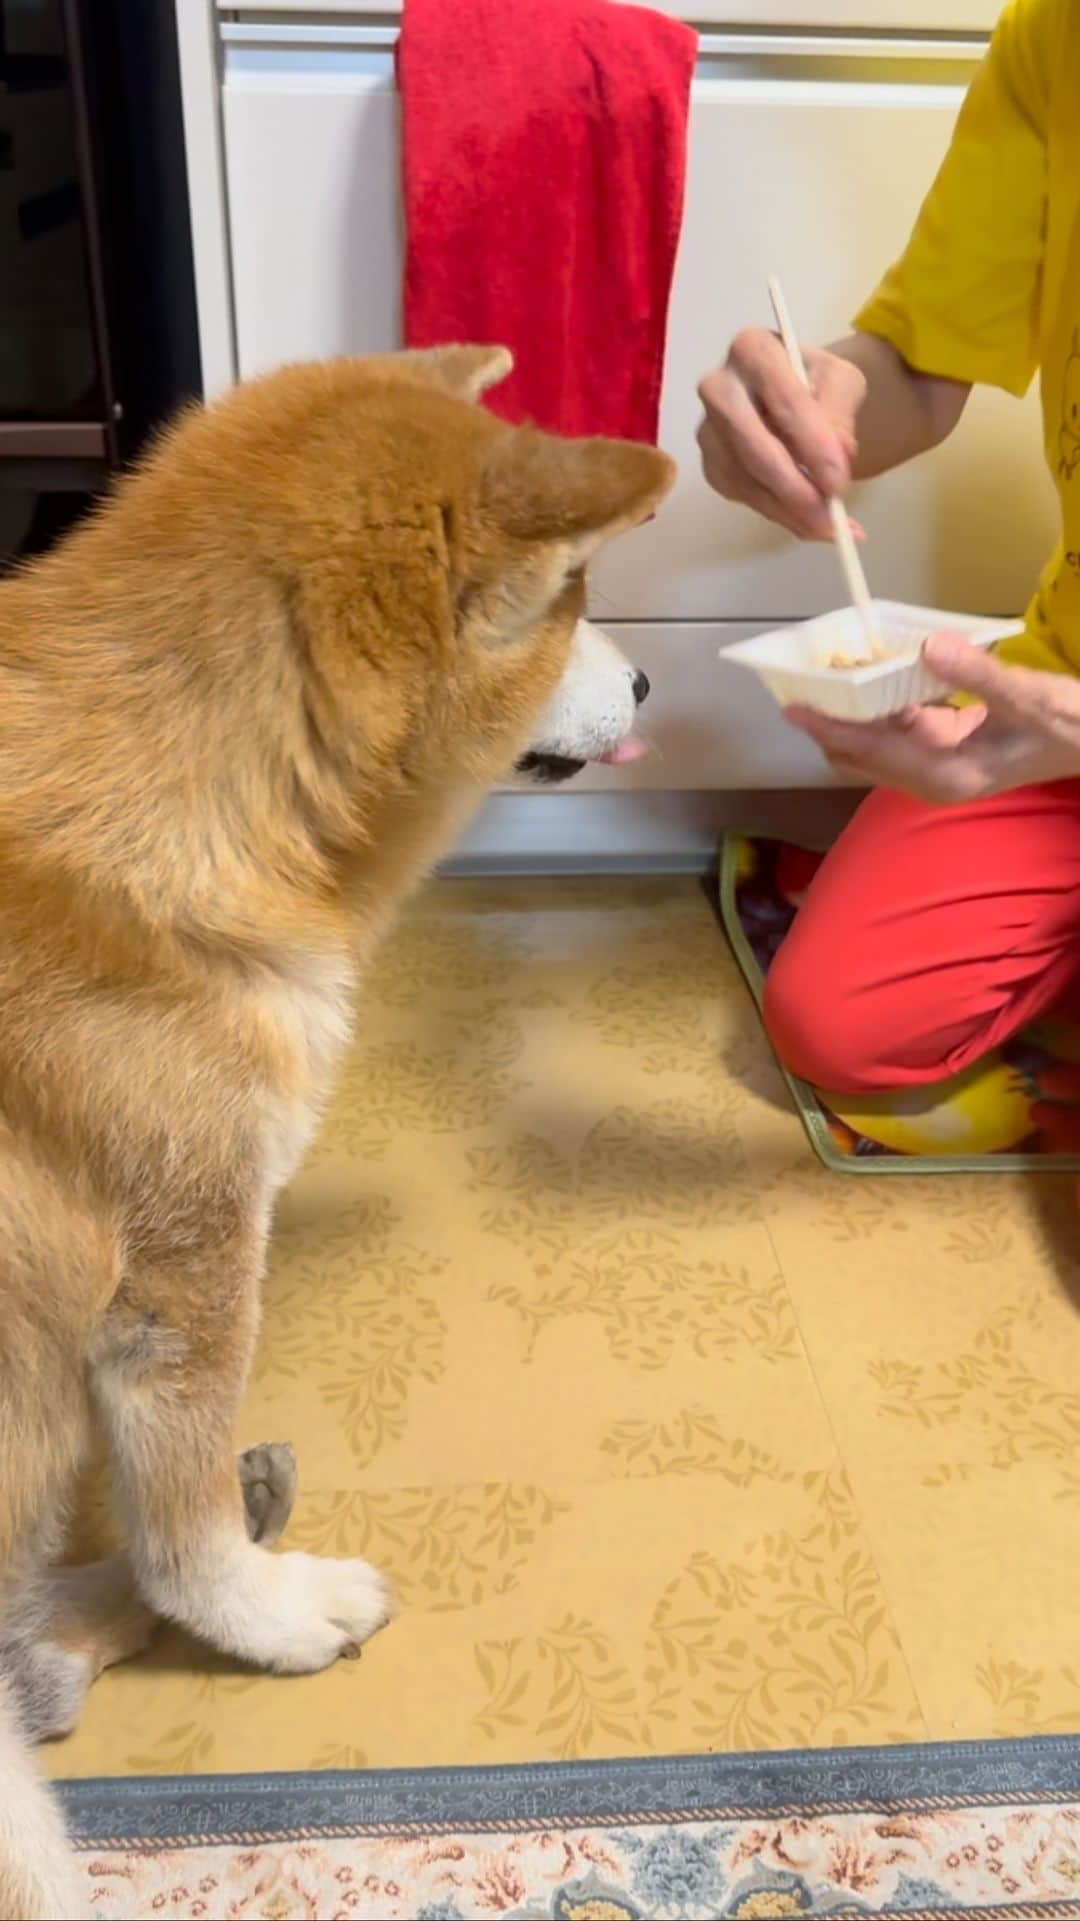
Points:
(744, 462)
(850, 771)
(795, 414)
(943, 729)
(917, 730)
(931, 753)
(814, 524)
(836, 735)
(1022, 693)
(942, 783)
(767, 458)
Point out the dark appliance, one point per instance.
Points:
(98, 339)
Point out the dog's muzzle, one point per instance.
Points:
(550, 770)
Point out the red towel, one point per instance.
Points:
(544, 153)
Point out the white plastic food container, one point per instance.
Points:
(794, 662)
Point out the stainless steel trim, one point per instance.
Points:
(276, 33)
(383, 32)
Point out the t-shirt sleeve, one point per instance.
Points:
(963, 299)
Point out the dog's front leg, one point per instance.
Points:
(167, 1378)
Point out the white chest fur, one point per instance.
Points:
(310, 1005)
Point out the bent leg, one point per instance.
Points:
(87, 1618)
(928, 937)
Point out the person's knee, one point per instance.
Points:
(819, 1031)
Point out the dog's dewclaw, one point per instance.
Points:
(268, 1482)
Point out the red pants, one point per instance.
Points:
(928, 936)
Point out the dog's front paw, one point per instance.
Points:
(296, 1613)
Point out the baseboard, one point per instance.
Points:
(666, 833)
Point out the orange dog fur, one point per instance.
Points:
(242, 711)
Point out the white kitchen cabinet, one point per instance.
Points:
(311, 169)
(809, 151)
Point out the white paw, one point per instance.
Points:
(294, 1613)
(321, 1610)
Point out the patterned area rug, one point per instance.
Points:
(962, 1829)
(1018, 1108)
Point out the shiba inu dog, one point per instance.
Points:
(242, 711)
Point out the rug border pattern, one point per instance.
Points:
(151, 1811)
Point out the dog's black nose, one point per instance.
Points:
(641, 687)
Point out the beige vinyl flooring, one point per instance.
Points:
(668, 1439)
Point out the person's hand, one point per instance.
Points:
(768, 443)
(1023, 728)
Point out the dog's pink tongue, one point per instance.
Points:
(629, 749)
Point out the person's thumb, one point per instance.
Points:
(973, 670)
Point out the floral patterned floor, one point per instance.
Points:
(930, 1832)
(669, 1439)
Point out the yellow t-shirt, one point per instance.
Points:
(988, 288)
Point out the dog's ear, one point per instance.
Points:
(580, 493)
(372, 624)
(465, 372)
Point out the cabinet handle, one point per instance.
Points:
(52, 440)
